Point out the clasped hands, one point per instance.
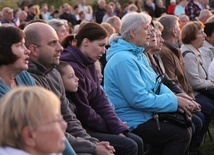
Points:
(187, 104)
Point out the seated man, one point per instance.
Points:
(43, 43)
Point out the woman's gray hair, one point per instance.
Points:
(131, 20)
(56, 23)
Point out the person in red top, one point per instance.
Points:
(171, 7)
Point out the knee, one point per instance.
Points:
(131, 147)
(186, 135)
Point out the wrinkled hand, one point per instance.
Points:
(185, 106)
(104, 148)
(184, 95)
(197, 107)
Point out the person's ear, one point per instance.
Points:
(85, 42)
(33, 50)
(132, 33)
(174, 32)
(28, 136)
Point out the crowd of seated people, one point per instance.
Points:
(105, 75)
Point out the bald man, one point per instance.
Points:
(43, 43)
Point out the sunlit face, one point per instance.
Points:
(49, 135)
(9, 15)
(99, 71)
(20, 50)
(159, 39)
(62, 32)
(49, 50)
(69, 79)
(177, 30)
(183, 22)
(95, 49)
(32, 10)
(152, 39)
(200, 37)
(142, 35)
(102, 4)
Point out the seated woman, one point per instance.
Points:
(14, 58)
(172, 66)
(31, 122)
(93, 108)
(130, 84)
(193, 37)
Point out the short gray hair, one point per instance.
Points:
(56, 23)
(132, 21)
(169, 22)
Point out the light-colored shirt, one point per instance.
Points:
(208, 53)
(179, 10)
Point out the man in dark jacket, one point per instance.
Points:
(67, 15)
(43, 43)
(100, 12)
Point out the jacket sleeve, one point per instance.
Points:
(196, 72)
(136, 81)
(171, 85)
(95, 110)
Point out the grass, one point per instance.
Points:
(207, 148)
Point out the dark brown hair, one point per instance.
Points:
(92, 31)
(8, 36)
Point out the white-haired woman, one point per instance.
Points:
(130, 84)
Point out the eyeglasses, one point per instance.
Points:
(59, 120)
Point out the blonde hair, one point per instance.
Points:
(21, 107)
(158, 26)
(110, 29)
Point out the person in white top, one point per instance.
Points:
(31, 122)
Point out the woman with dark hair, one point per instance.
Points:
(13, 60)
(93, 108)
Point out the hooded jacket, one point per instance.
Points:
(130, 83)
(81, 141)
(93, 108)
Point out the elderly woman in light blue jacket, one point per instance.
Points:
(131, 83)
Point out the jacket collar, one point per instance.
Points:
(72, 53)
(173, 47)
(37, 68)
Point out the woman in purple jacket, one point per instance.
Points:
(93, 108)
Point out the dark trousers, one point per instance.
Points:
(170, 139)
(207, 108)
(197, 125)
(129, 145)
